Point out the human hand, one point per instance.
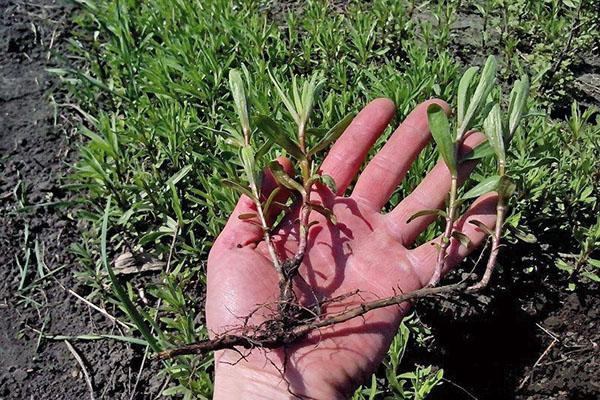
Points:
(366, 251)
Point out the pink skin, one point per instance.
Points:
(366, 250)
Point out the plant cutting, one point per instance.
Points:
(302, 308)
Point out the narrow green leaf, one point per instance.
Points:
(284, 179)
(440, 130)
(176, 204)
(264, 149)
(236, 86)
(482, 226)
(270, 199)
(326, 212)
(276, 133)
(238, 188)
(526, 237)
(593, 262)
(179, 175)
(286, 101)
(122, 295)
(309, 94)
(463, 94)
(329, 182)
(486, 82)
(333, 134)
(591, 276)
(462, 238)
(487, 185)
(297, 99)
(482, 151)
(518, 100)
(247, 155)
(492, 127)
(422, 213)
(506, 187)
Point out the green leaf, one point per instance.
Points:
(526, 237)
(286, 101)
(121, 294)
(518, 100)
(238, 188)
(486, 82)
(487, 185)
(591, 276)
(176, 203)
(492, 127)
(326, 212)
(571, 3)
(422, 213)
(236, 86)
(463, 94)
(506, 187)
(179, 175)
(264, 149)
(248, 156)
(593, 262)
(563, 266)
(270, 199)
(482, 151)
(276, 133)
(333, 134)
(440, 130)
(462, 238)
(482, 226)
(329, 182)
(310, 90)
(284, 179)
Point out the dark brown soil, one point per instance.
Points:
(34, 153)
(527, 338)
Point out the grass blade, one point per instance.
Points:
(129, 307)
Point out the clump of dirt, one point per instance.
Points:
(34, 154)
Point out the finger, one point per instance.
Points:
(389, 166)
(350, 150)
(430, 194)
(238, 232)
(425, 256)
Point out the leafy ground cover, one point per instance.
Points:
(150, 85)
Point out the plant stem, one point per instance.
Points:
(445, 242)
(500, 215)
(265, 228)
(491, 264)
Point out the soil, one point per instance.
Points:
(34, 154)
(527, 338)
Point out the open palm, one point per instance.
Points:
(366, 251)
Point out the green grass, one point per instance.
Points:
(152, 80)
